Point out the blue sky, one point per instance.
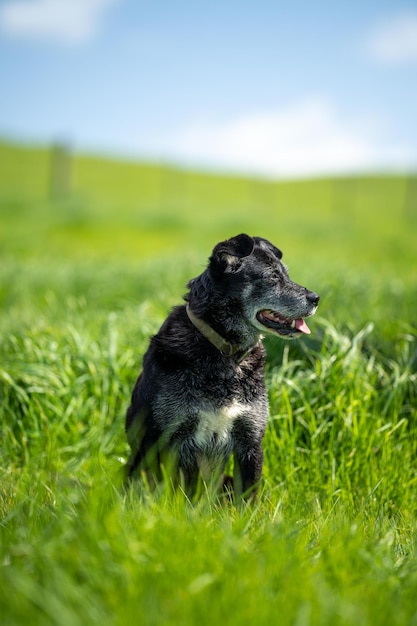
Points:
(276, 88)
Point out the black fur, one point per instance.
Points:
(192, 405)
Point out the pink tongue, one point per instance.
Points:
(302, 326)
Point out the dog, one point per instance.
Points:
(201, 395)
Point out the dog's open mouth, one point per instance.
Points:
(280, 324)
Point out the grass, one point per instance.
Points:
(84, 281)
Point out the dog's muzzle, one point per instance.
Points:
(287, 327)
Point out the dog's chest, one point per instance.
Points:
(214, 426)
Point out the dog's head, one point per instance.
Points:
(248, 271)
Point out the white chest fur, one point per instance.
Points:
(218, 423)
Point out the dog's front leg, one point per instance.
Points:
(248, 461)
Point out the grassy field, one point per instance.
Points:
(87, 274)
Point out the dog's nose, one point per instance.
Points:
(313, 298)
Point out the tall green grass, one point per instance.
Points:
(84, 282)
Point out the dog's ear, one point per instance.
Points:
(267, 245)
(227, 256)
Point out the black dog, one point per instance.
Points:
(201, 395)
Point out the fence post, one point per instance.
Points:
(60, 182)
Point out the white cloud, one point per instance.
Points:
(395, 40)
(63, 21)
(310, 138)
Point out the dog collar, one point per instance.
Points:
(219, 342)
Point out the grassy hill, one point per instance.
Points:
(93, 253)
(132, 210)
